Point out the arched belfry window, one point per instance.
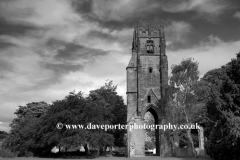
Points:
(150, 47)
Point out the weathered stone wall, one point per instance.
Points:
(148, 80)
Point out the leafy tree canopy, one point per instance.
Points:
(23, 128)
(223, 111)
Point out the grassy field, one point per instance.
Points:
(114, 158)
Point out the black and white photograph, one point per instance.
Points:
(120, 79)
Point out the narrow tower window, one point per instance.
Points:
(149, 99)
(150, 70)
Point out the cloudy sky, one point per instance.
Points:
(51, 47)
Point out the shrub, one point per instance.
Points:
(6, 153)
(29, 154)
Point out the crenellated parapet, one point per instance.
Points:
(148, 40)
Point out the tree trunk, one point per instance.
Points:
(172, 143)
(111, 151)
(105, 150)
(190, 136)
(98, 151)
(86, 149)
(191, 142)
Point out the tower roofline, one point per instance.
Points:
(148, 30)
(149, 26)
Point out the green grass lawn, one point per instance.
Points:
(115, 158)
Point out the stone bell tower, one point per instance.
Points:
(147, 77)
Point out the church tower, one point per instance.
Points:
(147, 78)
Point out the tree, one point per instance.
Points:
(34, 130)
(23, 128)
(185, 91)
(223, 111)
(150, 145)
(116, 110)
(74, 109)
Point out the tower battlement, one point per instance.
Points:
(149, 31)
(149, 40)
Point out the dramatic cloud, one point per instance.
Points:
(40, 13)
(207, 8)
(177, 32)
(119, 10)
(55, 52)
(237, 15)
